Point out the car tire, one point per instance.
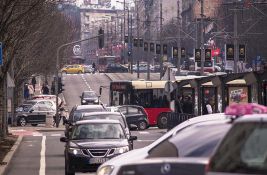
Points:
(142, 125)
(22, 121)
(67, 169)
(34, 124)
(162, 121)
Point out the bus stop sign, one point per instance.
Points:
(1, 54)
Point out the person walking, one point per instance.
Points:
(26, 91)
(207, 109)
(178, 104)
(45, 89)
(34, 82)
(31, 90)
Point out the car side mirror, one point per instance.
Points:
(63, 139)
(132, 138)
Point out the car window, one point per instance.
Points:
(111, 117)
(246, 146)
(98, 131)
(134, 110)
(193, 141)
(89, 94)
(78, 113)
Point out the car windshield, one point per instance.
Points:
(89, 95)
(206, 64)
(78, 113)
(105, 116)
(98, 131)
(246, 146)
(24, 108)
(194, 141)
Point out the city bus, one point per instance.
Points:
(148, 94)
(103, 61)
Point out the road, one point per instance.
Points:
(41, 152)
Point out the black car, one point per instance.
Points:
(92, 142)
(114, 68)
(135, 115)
(89, 97)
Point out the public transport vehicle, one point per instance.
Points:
(103, 61)
(148, 94)
(208, 66)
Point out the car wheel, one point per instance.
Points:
(34, 124)
(79, 72)
(22, 121)
(142, 125)
(67, 169)
(162, 121)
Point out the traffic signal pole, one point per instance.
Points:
(57, 69)
(202, 37)
(236, 54)
(178, 38)
(161, 46)
(138, 39)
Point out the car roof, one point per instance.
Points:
(81, 107)
(252, 118)
(97, 121)
(129, 106)
(101, 113)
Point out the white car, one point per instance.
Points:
(50, 103)
(112, 166)
(47, 97)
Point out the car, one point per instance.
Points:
(93, 142)
(88, 69)
(243, 150)
(166, 166)
(114, 68)
(47, 97)
(112, 166)
(33, 114)
(89, 97)
(135, 115)
(73, 69)
(48, 103)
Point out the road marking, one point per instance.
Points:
(145, 140)
(37, 134)
(143, 132)
(55, 135)
(42, 160)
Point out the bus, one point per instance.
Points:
(208, 66)
(148, 94)
(103, 61)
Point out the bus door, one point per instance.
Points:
(119, 93)
(209, 95)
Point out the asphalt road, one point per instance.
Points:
(41, 152)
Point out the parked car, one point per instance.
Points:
(114, 68)
(135, 115)
(89, 97)
(244, 148)
(143, 68)
(33, 114)
(166, 166)
(73, 69)
(93, 142)
(48, 103)
(47, 97)
(88, 69)
(159, 147)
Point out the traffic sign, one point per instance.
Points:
(1, 54)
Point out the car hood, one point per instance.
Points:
(104, 143)
(131, 156)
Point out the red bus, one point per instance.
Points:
(103, 61)
(149, 94)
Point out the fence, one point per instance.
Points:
(174, 119)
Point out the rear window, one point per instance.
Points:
(194, 141)
(244, 150)
(108, 116)
(78, 113)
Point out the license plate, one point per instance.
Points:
(98, 160)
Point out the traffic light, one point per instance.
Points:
(135, 42)
(242, 52)
(165, 49)
(126, 39)
(207, 54)
(101, 38)
(141, 42)
(183, 52)
(175, 52)
(158, 49)
(230, 52)
(197, 55)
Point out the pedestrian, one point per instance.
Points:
(45, 89)
(26, 91)
(53, 88)
(33, 82)
(188, 105)
(207, 109)
(31, 90)
(178, 105)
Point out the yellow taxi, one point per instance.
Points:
(73, 69)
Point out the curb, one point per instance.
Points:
(9, 155)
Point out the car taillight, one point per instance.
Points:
(207, 167)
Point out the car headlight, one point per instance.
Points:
(105, 170)
(75, 151)
(96, 101)
(84, 101)
(121, 150)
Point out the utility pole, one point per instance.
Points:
(202, 37)
(148, 21)
(235, 41)
(131, 45)
(129, 39)
(138, 37)
(161, 50)
(124, 26)
(178, 38)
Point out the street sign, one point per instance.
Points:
(1, 54)
(77, 50)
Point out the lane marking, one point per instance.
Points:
(55, 135)
(145, 140)
(42, 160)
(143, 132)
